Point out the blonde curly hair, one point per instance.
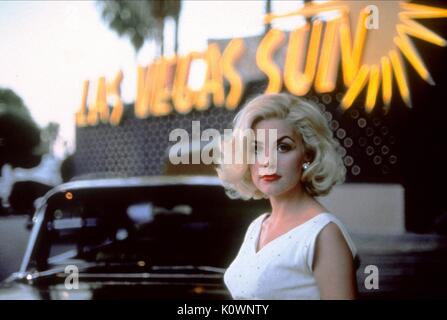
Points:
(326, 167)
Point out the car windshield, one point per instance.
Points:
(147, 226)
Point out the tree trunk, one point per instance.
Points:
(308, 19)
(159, 38)
(176, 34)
(162, 37)
(268, 10)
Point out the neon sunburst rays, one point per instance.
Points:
(373, 57)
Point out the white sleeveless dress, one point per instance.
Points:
(282, 269)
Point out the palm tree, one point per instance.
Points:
(268, 10)
(160, 11)
(141, 20)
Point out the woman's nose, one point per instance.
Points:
(268, 162)
(263, 163)
(262, 157)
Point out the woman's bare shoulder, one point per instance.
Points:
(333, 265)
(331, 234)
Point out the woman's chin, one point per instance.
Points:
(272, 191)
(275, 190)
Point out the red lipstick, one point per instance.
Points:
(270, 177)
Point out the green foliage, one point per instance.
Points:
(12, 103)
(19, 134)
(139, 20)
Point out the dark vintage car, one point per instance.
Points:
(132, 238)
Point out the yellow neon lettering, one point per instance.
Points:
(297, 82)
(81, 115)
(352, 53)
(231, 54)
(264, 59)
(100, 105)
(329, 57)
(145, 90)
(114, 91)
(213, 81)
(181, 96)
(160, 105)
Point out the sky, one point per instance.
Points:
(48, 48)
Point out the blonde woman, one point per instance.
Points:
(299, 250)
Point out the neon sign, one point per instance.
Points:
(371, 58)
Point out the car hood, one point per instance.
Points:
(110, 289)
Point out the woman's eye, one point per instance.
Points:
(283, 147)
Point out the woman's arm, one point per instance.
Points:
(333, 265)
